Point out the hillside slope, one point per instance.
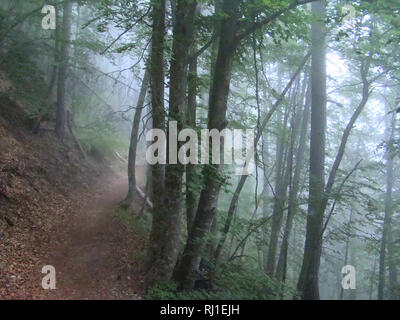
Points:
(44, 186)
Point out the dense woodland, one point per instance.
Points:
(317, 81)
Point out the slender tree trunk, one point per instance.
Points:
(280, 197)
(393, 274)
(266, 196)
(346, 253)
(346, 134)
(308, 281)
(61, 115)
(294, 189)
(243, 178)
(371, 282)
(134, 140)
(388, 215)
(353, 258)
(192, 196)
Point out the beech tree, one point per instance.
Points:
(61, 117)
(316, 81)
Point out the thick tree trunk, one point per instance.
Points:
(155, 253)
(169, 223)
(134, 140)
(182, 40)
(229, 40)
(319, 196)
(308, 281)
(211, 245)
(186, 273)
(61, 114)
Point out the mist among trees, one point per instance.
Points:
(318, 82)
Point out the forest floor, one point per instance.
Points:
(94, 251)
(59, 209)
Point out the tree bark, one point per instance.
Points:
(157, 233)
(308, 281)
(229, 40)
(170, 221)
(206, 211)
(61, 114)
(388, 215)
(134, 140)
(192, 196)
(319, 196)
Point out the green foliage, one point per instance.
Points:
(236, 281)
(102, 140)
(140, 225)
(21, 68)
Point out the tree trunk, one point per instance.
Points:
(157, 234)
(229, 40)
(134, 140)
(319, 197)
(206, 211)
(293, 192)
(393, 275)
(182, 40)
(308, 281)
(61, 115)
(170, 221)
(192, 196)
(280, 197)
(346, 252)
(243, 178)
(371, 280)
(388, 214)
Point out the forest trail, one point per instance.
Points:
(94, 250)
(61, 210)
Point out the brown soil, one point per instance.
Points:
(94, 251)
(59, 209)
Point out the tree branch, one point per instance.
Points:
(340, 188)
(271, 18)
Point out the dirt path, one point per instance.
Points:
(94, 251)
